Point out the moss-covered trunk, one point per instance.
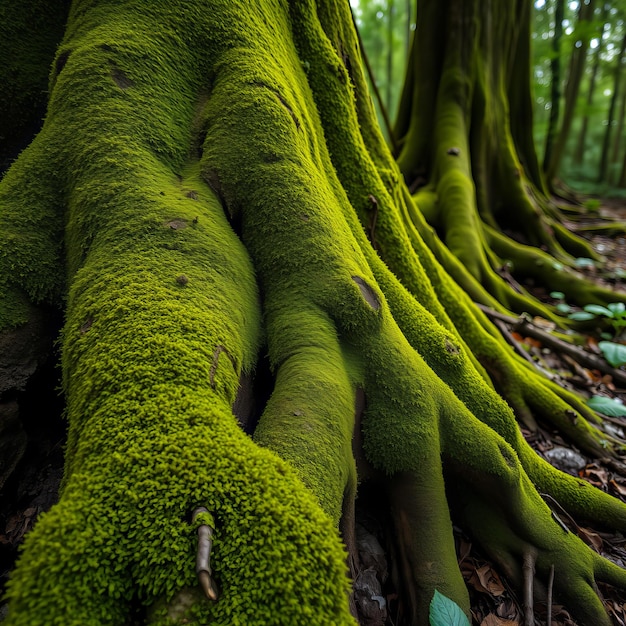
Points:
(210, 187)
(467, 155)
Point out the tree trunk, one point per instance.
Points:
(211, 186)
(579, 155)
(622, 178)
(389, 82)
(604, 158)
(619, 131)
(555, 88)
(574, 78)
(409, 24)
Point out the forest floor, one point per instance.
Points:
(33, 488)
(494, 603)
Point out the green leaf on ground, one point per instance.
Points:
(446, 612)
(598, 310)
(614, 353)
(581, 316)
(607, 406)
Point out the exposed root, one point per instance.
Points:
(528, 570)
(525, 326)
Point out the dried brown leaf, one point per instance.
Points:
(493, 620)
(618, 488)
(540, 322)
(508, 610)
(590, 538)
(490, 581)
(595, 475)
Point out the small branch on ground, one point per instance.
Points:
(525, 326)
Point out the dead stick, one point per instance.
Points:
(524, 325)
(549, 599)
(203, 556)
(528, 569)
(556, 503)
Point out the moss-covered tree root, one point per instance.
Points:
(215, 174)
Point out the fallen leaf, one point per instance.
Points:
(493, 620)
(616, 611)
(620, 489)
(533, 343)
(592, 344)
(508, 610)
(488, 580)
(590, 538)
(597, 476)
(540, 322)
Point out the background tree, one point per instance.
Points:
(580, 147)
(588, 118)
(211, 185)
(584, 30)
(555, 94)
(617, 82)
(386, 36)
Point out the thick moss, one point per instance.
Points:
(163, 317)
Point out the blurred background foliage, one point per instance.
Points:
(579, 64)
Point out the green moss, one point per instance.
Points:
(152, 363)
(204, 519)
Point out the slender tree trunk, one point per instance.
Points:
(574, 78)
(555, 85)
(619, 131)
(579, 155)
(390, 27)
(617, 83)
(622, 178)
(409, 23)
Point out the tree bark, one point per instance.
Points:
(580, 147)
(555, 86)
(619, 132)
(606, 143)
(574, 78)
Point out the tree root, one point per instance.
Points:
(152, 362)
